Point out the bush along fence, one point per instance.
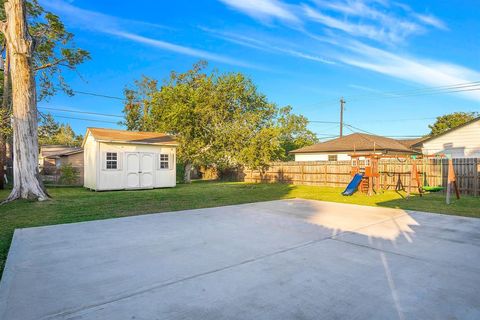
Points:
(433, 172)
(65, 175)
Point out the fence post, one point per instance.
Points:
(475, 177)
(302, 173)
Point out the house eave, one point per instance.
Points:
(382, 151)
(138, 142)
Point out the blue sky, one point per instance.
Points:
(306, 54)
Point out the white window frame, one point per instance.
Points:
(111, 160)
(164, 159)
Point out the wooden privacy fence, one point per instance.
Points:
(53, 176)
(433, 172)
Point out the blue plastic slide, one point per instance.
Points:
(353, 185)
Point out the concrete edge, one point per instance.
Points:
(196, 211)
(8, 272)
(188, 211)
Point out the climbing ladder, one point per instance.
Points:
(364, 185)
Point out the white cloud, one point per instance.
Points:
(385, 21)
(416, 70)
(92, 20)
(107, 24)
(358, 19)
(265, 46)
(264, 10)
(178, 49)
(432, 21)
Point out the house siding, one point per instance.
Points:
(320, 156)
(89, 162)
(463, 142)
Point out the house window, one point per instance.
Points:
(112, 161)
(332, 157)
(163, 161)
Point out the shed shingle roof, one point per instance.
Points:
(357, 142)
(139, 137)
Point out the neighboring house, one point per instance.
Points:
(48, 155)
(460, 142)
(356, 143)
(118, 159)
(74, 157)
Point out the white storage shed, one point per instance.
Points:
(119, 159)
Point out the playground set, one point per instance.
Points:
(366, 176)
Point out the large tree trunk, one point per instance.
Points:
(3, 158)
(187, 173)
(26, 179)
(4, 122)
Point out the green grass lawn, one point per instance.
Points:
(78, 204)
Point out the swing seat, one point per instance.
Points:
(433, 188)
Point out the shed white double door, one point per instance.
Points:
(140, 170)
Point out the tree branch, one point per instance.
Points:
(50, 64)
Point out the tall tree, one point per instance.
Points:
(27, 183)
(52, 132)
(219, 118)
(450, 121)
(45, 47)
(294, 132)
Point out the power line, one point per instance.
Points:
(83, 112)
(388, 136)
(421, 90)
(453, 88)
(317, 121)
(477, 88)
(459, 87)
(99, 95)
(83, 119)
(383, 120)
(350, 127)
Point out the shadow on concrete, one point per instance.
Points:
(285, 259)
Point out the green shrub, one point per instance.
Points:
(180, 172)
(68, 174)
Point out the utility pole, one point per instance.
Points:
(342, 102)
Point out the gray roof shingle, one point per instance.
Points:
(358, 142)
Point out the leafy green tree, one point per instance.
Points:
(47, 48)
(54, 50)
(450, 121)
(47, 129)
(219, 119)
(52, 132)
(294, 132)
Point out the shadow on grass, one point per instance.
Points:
(467, 206)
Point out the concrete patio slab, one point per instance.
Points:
(288, 259)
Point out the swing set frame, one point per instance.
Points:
(371, 174)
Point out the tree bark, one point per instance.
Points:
(3, 122)
(3, 153)
(26, 178)
(188, 171)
